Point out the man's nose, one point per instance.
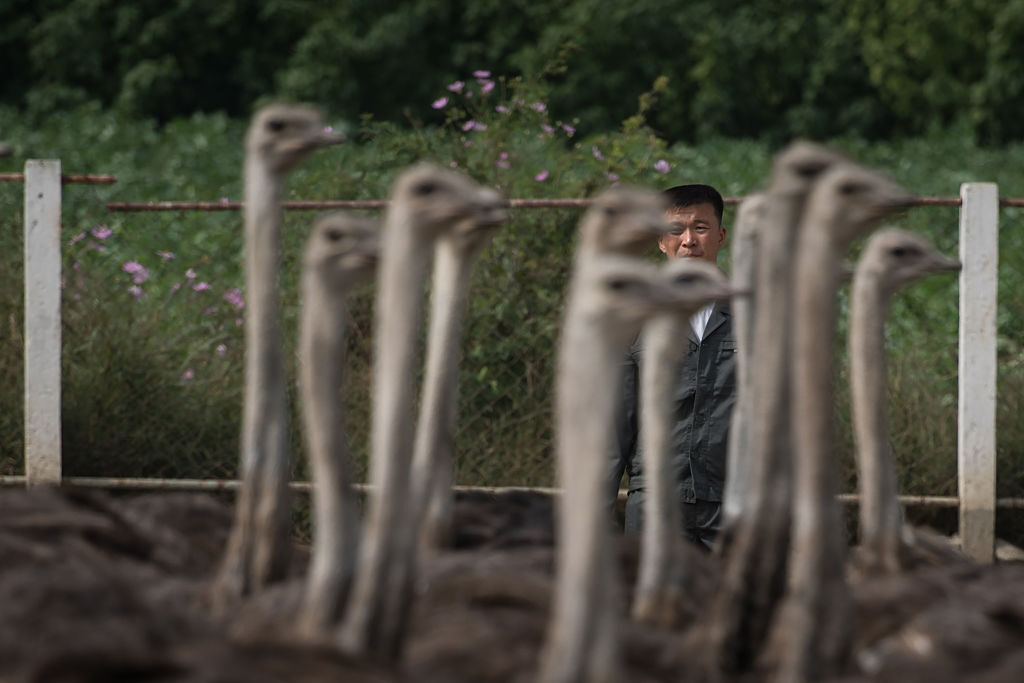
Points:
(689, 237)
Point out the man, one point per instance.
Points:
(707, 381)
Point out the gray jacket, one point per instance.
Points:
(704, 400)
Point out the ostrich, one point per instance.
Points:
(754, 539)
(432, 463)
(809, 637)
(427, 202)
(891, 259)
(663, 568)
(608, 298)
(279, 138)
(341, 253)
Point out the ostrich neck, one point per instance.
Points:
(322, 348)
(435, 431)
(662, 520)
(879, 509)
(264, 431)
(818, 261)
(585, 609)
(744, 274)
(380, 598)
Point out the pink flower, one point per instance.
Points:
(223, 200)
(137, 271)
(97, 247)
(190, 274)
(456, 86)
(501, 109)
(76, 239)
(454, 164)
(568, 129)
(542, 176)
(546, 128)
(469, 125)
(439, 103)
(481, 73)
(597, 153)
(201, 286)
(612, 176)
(165, 255)
(221, 350)
(135, 291)
(538, 106)
(188, 375)
(234, 297)
(486, 86)
(661, 166)
(175, 287)
(101, 232)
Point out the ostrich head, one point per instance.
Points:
(283, 135)
(438, 198)
(795, 168)
(849, 199)
(623, 220)
(897, 257)
(343, 248)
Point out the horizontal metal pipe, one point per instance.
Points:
(326, 205)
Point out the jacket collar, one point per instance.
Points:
(719, 314)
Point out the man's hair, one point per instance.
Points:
(690, 195)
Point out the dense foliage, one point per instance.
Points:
(750, 68)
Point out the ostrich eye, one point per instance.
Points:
(617, 284)
(611, 212)
(850, 188)
(425, 188)
(903, 252)
(334, 235)
(276, 125)
(808, 170)
(685, 279)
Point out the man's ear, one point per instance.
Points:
(661, 245)
(721, 236)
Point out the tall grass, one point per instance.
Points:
(152, 368)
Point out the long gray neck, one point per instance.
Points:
(582, 642)
(661, 568)
(433, 452)
(335, 514)
(375, 618)
(880, 515)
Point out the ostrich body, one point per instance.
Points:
(663, 568)
(341, 253)
(433, 452)
(279, 138)
(810, 635)
(754, 541)
(891, 259)
(427, 201)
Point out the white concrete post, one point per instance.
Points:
(976, 428)
(42, 322)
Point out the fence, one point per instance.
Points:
(979, 216)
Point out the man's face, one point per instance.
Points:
(695, 233)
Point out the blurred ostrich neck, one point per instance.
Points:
(662, 350)
(263, 217)
(881, 520)
(378, 604)
(335, 513)
(585, 609)
(432, 481)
